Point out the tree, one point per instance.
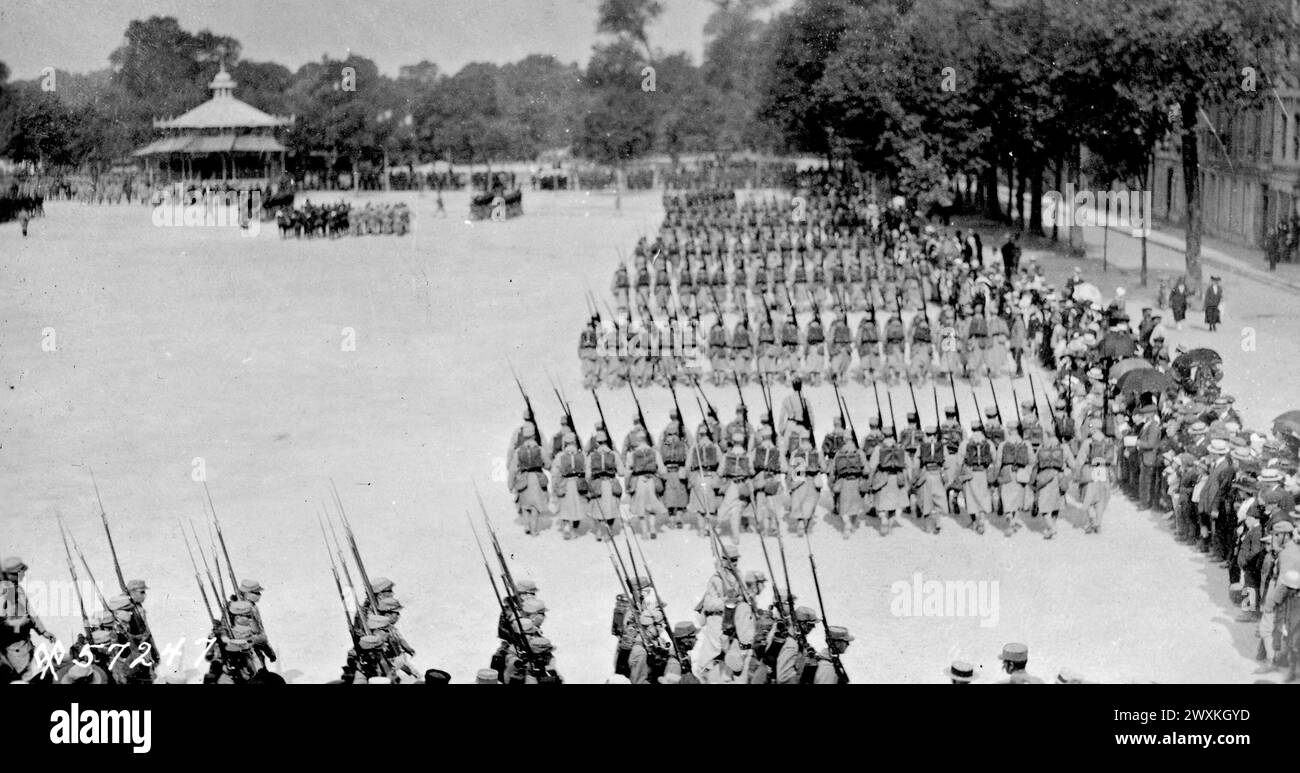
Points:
(1187, 54)
(629, 18)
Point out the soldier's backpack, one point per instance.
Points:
(921, 334)
(979, 454)
(931, 454)
(848, 464)
(1051, 457)
(815, 333)
(892, 459)
(979, 327)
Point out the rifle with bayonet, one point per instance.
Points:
(845, 416)
(641, 416)
(826, 626)
(528, 404)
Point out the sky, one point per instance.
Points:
(78, 35)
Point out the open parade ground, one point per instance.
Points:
(159, 357)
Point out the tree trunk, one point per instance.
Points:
(1189, 108)
(1020, 194)
(1036, 197)
(1060, 181)
(1011, 190)
(992, 202)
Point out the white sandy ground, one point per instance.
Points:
(177, 343)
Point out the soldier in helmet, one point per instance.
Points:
(725, 589)
(769, 505)
(977, 457)
(569, 486)
(889, 484)
(528, 478)
(848, 469)
(1014, 476)
(815, 349)
(804, 470)
(673, 450)
(928, 479)
(702, 481)
(1051, 482)
(872, 364)
(742, 352)
(19, 620)
(829, 671)
(645, 486)
(895, 350)
(589, 353)
(920, 364)
(718, 351)
(737, 475)
(840, 348)
(1096, 460)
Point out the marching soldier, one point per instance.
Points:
(741, 350)
(723, 591)
(19, 621)
(528, 479)
(977, 458)
(588, 354)
(833, 440)
(889, 483)
(928, 479)
(648, 656)
(737, 472)
(769, 358)
(604, 468)
(841, 348)
(645, 484)
(895, 346)
(1051, 482)
(868, 344)
(804, 481)
(1015, 474)
(796, 661)
(766, 484)
(642, 285)
(672, 456)
(1097, 458)
(815, 349)
(920, 365)
(848, 484)
(789, 362)
(570, 486)
(719, 356)
(837, 642)
(702, 478)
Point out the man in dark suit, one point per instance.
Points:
(1011, 256)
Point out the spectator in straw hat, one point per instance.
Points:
(960, 672)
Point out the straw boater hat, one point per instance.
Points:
(961, 671)
(1218, 447)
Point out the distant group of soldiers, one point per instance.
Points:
(343, 219)
(754, 272)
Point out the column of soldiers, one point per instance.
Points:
(340, 219)
(722, 288)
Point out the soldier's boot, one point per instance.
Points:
(936, 522)
(980, 522)
(1050, 531)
